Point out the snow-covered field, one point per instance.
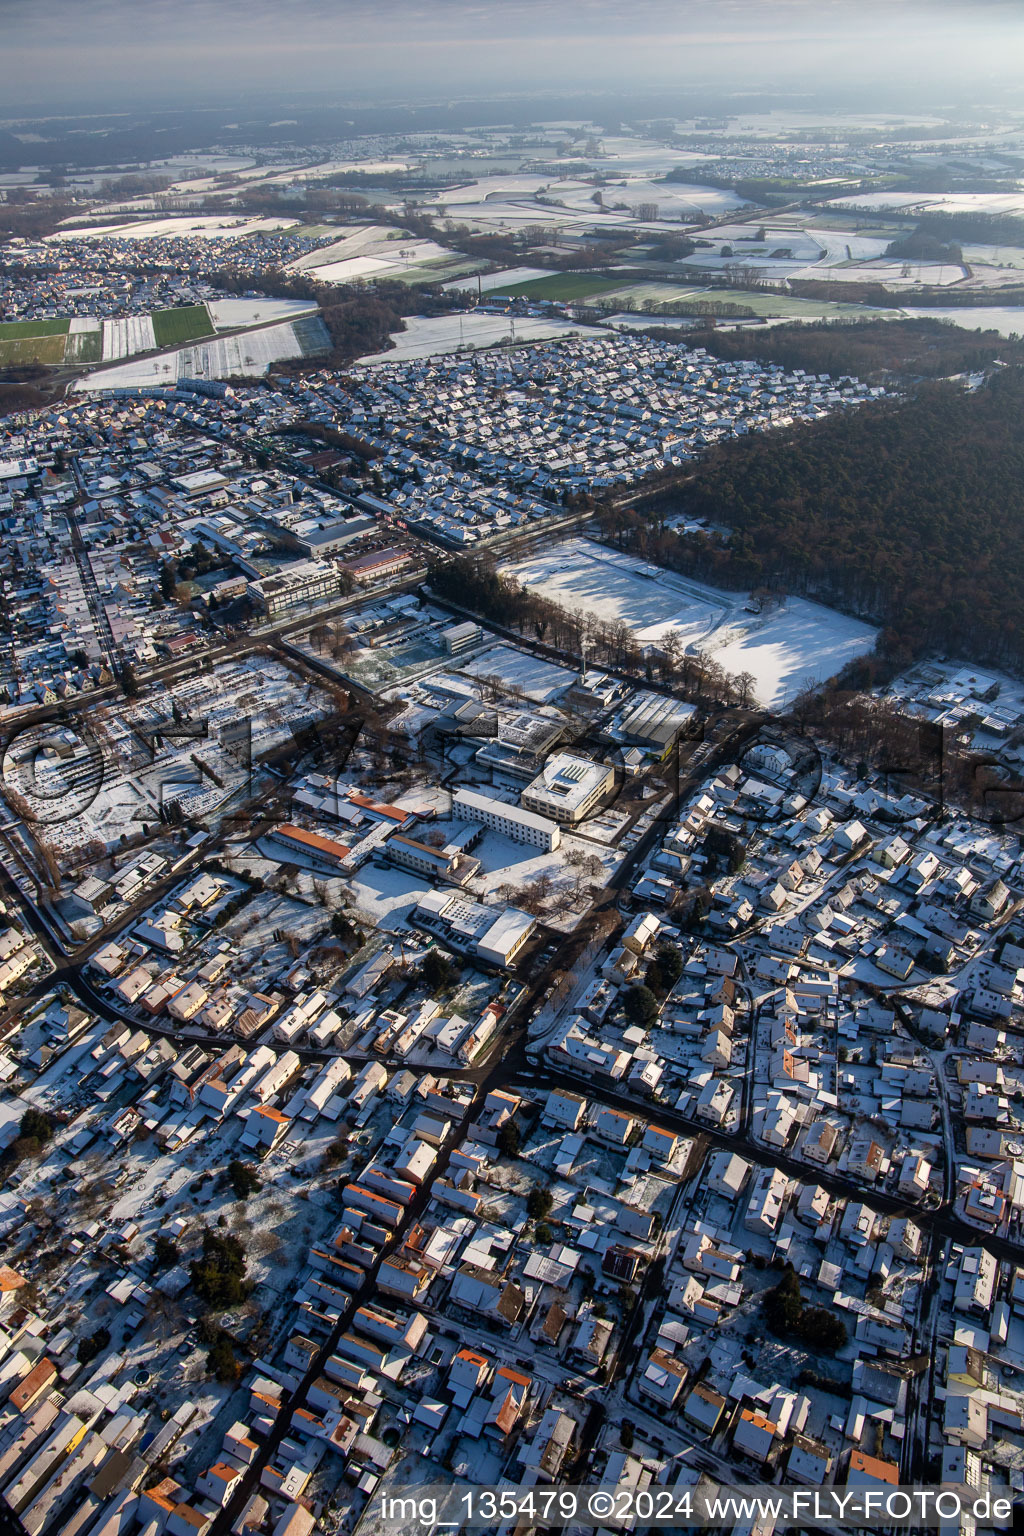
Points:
(894, 274)
(946, 202)
(511, 202)
(226, 314)
(425, 337)
(378, 250)
(1008, 321)
(495, 188)
(243, 356)
(123, 338)
(393, 258)
(786, 650)
(386, 895)
(783, 649)
(205, 226)
(674, 199)
(496, 282)
(354, 240)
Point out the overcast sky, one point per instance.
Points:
(68, 54)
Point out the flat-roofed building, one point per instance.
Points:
(568, 788)
(304, 582)
(512, 821)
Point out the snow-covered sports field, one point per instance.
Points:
(783, 649)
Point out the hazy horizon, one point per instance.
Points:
(66, 56)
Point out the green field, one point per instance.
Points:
(442, 269)
(784, 306)
(84, 346)
(171, 327)
(11, 330)
(561, 286)
(32, 349)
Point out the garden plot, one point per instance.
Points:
(783, 650)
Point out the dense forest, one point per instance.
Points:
(870, 349)
(877, 296)
(978, 228)
(17, 396)
(910, 513)
(919, 245)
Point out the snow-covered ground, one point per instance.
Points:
(539, 680)
(378, 250)
(784, 649)
(392, 258)
(790, 648)
(674, 199)
(1007, 321)
(353, 240)
(615, 587)
(894, 274)
(386, 895)
(429, 337)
